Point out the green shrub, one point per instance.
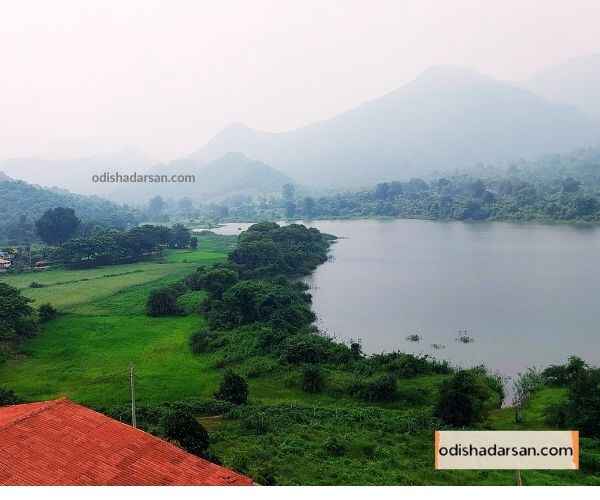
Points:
(162, 302)
(255, 367)
(334, 446)
(233, 388)
(35, 284)
(463, 398)
(46, 312)
(257, 423)
(312, 379)
(205, 341)
(381, 389)
(8, 397)
(181, 426)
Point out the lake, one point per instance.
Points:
(527, 294)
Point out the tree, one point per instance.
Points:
(288, 192)
(156, 206)
(312, 378)
(57, 225)
(309, 207)
(290, 209)
(162, 302)
(180, 236)
(186, 205)
(8, 397)
(193, 243)
(16, 314)
(181, 426)
(46, 312)
(463, 399)
(233, 388)
(524, 385)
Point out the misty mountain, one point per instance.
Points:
(231, 174)
(575, 82)
(75, 174)
(447, 118)
(4, 177)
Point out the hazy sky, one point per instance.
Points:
(165, 76)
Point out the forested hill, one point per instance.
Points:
(561, 188)
(21, 204)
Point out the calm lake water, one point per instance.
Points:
(527, 294)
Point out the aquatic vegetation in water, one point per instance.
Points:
(464, 338)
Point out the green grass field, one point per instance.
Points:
(85, 353)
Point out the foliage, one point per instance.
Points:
(464, 398)
(57, 225)
(204, 341)
(382, 388)
(312, 378)
(215, 280)
(563, 375)
(233, 388)
(267, 249)
(107, 247)
(21, 204)
(8, 397)
(16, 314)
(581, 410)
(46, 312)
(180, 425)
(162, 302)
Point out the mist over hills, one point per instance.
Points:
(228, 175)
(447, 118)
(575, 82)
(75, 174)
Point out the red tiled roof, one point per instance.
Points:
(62, 443)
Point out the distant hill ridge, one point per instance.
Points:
(18, 198)
(447, 118)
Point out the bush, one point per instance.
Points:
(35, 284)
(257, 423)
(312, 379)
(563, 375)
(205, 341)
(46, 312)
(8, 397)
(334, 446)
(380, 389)
(463, 398)
(233, 388)
(162, 302)
(181, 426)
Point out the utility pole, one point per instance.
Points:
(132, 390)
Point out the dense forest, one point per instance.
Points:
(554, 188)
(21, 204)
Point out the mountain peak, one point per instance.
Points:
(4, 177)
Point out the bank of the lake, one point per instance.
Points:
(525, 293)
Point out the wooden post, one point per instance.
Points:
(132, 390)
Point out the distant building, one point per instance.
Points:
(62, 443)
